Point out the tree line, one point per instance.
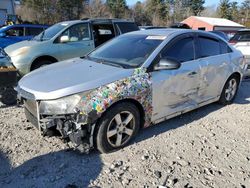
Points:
(150, 12)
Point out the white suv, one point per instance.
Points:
(241, 41)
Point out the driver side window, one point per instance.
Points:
(183, 50)
(76, 33)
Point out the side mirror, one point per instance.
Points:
(64, 39)
(167, 64)
(2, 35)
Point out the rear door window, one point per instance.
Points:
(183, 50)
(33, 31)
(209, 47)
(126, 27)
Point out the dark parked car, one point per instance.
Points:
(151, 27)
(179, 26)
(15, 33)
(221, 34)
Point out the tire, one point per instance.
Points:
(40, 63)
(229, 91)
(9, 96)
(110, 136)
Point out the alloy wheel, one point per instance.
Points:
(231, 89)
(121, 129)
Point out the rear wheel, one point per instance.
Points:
(229, 91)
(117, 127)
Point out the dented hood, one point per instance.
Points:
(67, 78)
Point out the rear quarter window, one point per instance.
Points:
(126, 27)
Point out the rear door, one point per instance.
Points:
(102, 31)
(214, 57)
(80, 41)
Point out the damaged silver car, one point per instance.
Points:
(135, 80)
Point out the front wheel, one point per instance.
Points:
(117, 127)
(229, 91)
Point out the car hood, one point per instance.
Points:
(10, 50)
(67, 78)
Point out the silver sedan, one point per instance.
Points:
(135, 80)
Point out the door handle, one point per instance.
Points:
(192, 73)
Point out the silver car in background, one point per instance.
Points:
(136, 80)
(65, 40)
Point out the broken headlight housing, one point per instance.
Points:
(65, 105)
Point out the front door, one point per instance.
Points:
(176, 90)
(79, 44)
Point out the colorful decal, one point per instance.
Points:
(137, 87)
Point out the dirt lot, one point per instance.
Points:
(209, 147)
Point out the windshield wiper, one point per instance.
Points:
(103, 61)
(110, 63)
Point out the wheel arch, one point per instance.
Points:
(129, 100)
(125, 100)
(236, 74)
(43, 57)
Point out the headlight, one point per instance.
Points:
(20, 51)
(64, 105)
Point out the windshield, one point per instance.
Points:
(129, 51)
(241, 36)
(50, 32)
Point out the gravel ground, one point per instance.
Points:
(209, 147)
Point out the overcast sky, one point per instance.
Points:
(208, 2)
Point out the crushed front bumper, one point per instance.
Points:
(69, 127)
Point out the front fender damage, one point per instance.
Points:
(79, 128)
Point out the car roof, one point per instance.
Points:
(169, 31)
(26, 25)
(87, 20)
(166, 32)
